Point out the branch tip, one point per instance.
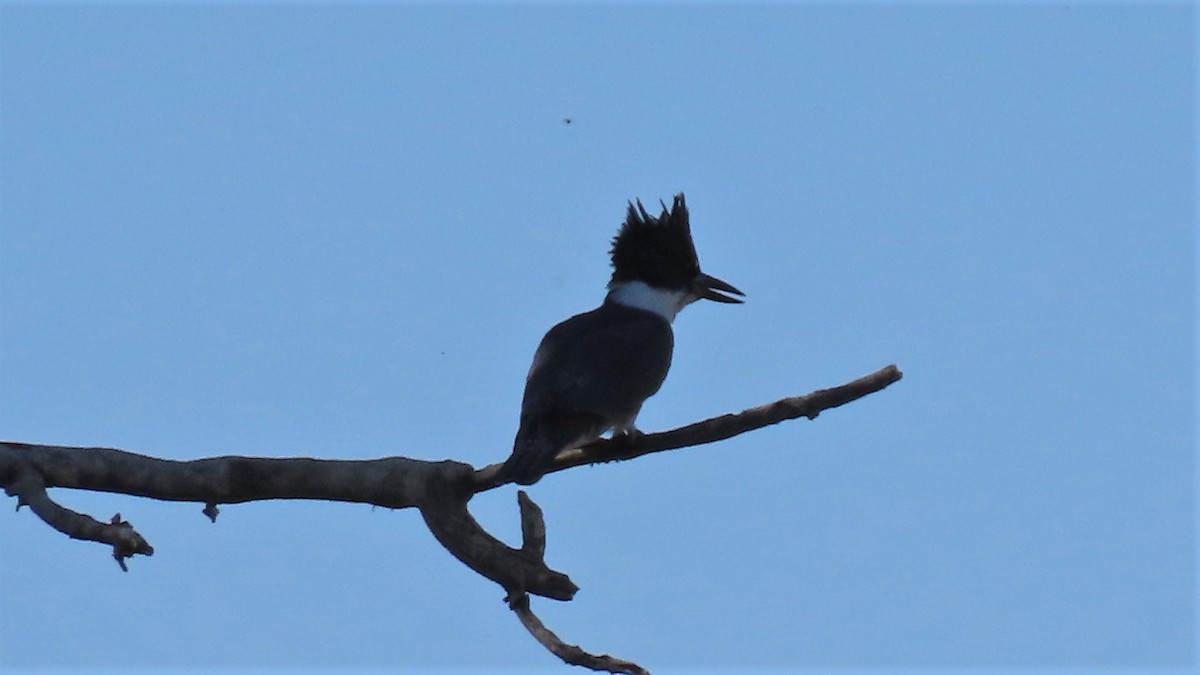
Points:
(722, 427)
(570, 654)
(533, 527)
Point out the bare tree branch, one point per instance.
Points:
(516, 570)
(533, 526)
(29, 488)
(712, 429)
(393, 482)
(572, 654)
(533, 542)
(440, 490)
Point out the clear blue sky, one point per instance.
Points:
(340, 230)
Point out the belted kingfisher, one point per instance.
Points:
(592, 372)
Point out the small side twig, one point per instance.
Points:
(572, 654)
(533, 527)
(211, 510)
(30, 490)
(533, 535)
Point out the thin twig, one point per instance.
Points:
(713, 429)
(572, 654)
(533, 542)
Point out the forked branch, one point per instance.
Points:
(440, 490)
(533, 538)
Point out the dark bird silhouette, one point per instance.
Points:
(592, 372)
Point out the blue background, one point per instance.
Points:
(339, 230)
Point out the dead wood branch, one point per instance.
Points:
(440, 490)
(29, 488)
(516, 570)
(533, 542)
(712, 429)
(571, 654)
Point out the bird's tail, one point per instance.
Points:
(541, 438)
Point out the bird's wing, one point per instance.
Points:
(599, 362)
(542, 436)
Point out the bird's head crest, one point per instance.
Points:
(656, 250)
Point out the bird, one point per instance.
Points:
(592, 372)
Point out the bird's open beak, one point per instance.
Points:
(707, 287)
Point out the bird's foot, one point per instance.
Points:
(626, 441)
